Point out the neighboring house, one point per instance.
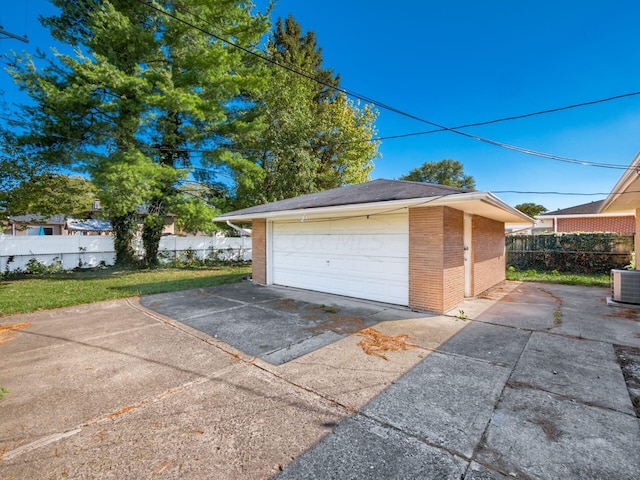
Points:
(625, 197)
(34, 224)
(421, 245)
(586, 218)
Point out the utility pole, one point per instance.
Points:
(4, 35)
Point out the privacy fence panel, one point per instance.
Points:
(570, 252)
(205, 248)
(85, 251)
(70, 251)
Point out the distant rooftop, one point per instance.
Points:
(590, 208)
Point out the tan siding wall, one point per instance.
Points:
(436, 269)
(624, 224)
(259, 251)
(488, 254)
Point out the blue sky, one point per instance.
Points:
(465, 61)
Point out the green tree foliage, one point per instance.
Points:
(198, 82)
(49, 193)
(531, 209)
(17, 167)
(445, 172)
(89, 106)
(140, 91)
(299, 135)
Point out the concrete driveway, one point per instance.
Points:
(254, 382)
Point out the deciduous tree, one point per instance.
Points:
(301, 136)
(531, 209)
(445, 172)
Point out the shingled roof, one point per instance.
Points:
(590, 208)
(375, 191)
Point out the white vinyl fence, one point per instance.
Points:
(87, 251)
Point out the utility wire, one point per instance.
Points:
(515, 117)
(441, 128)
(370, 100)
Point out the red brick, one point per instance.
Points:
(623, 224)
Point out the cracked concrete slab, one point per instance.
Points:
(446, 400)
(534, 434)
(298, 321)
(491, 343)
(239, 425)
(584, 370)
(519, 316)
(363, 448)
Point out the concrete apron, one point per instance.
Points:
(113, 390)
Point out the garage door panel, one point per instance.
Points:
(396, 223)
(376, 289)
(361, 268)
(363, 258)
(392, 245)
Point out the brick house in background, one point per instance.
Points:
(416, 244)
(586, 218)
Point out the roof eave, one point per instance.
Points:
(620, 188)
(509, 214)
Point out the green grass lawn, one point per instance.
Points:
(29, 293)
(588, 280)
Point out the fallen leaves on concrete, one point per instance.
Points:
(626, 313)
(6, 331)
(377, 343)
(340, 324)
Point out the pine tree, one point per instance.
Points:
(141, 90)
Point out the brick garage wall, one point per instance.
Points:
(436, 262)
(259, 251)
(624, 224)
(488, 254)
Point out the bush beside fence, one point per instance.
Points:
(569, 252)
(66, 252)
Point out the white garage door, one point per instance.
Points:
(356, 257)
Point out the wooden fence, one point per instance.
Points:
(569, 252)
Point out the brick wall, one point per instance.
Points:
(259, 251)
(453, 254)
(624, 224)
(488, 254)
(436, 268)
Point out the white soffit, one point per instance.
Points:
(625, 195)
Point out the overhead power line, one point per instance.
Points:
(440, 128)
(4, 35)
(379, 104)
(515, 117)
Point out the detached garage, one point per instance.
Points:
(420, 245)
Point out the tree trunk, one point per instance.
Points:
(124, 227)
(152, 231)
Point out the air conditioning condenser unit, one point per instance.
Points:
(625, 286)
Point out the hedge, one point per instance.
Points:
(593, 253)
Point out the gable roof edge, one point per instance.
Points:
(622, 184)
